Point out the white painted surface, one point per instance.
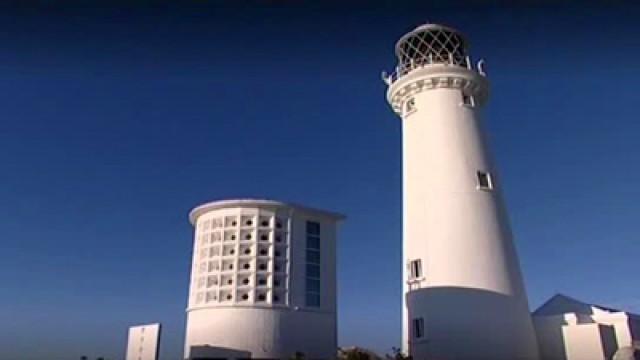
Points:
(585, 342)
(569, 329)
(471, 295)
(269, 328)
(143, 342)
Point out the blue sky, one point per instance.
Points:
(117, 120)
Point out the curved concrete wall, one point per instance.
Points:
(250, 288)
(264, 333)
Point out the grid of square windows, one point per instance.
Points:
(312, 278)
(241, 258)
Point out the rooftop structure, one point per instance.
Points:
(569, 329)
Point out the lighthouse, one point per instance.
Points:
(463, 293)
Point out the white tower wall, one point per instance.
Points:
(467, 299)
(273, 315)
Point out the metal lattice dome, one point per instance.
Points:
(431, 44)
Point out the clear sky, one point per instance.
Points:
(116, 120)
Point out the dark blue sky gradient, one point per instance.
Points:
(117, 120)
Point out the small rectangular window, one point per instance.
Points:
(467, 99)
(410, 106)
(484, 181)
(418, 328)
(416, 269)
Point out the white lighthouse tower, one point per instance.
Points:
(463, 292)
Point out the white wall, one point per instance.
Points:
(459, 232)
(143, 342)
(269, 328)
(264, 333)
(588, 342)
(571, 336)
(619, 321)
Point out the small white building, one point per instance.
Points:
(263, 281)
(568, 329)
(143, 342)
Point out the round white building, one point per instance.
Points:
(263, 281)
(463, 292)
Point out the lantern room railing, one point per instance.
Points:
(406, 68)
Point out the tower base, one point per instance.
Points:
(465, 323)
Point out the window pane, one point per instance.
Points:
(416, 269)
(313, 256)
(418, 327)
(313, 242)
(313, 228)
(313, 299)
(313, 285)
(467, 100)
(313, 270)
(484, 180)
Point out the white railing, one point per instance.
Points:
(400, 71)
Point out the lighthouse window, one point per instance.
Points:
(467, 99)
(410, 106)
(484, 181)
(416, 269)
(418, 328)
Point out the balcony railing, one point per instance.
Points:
(404, 69)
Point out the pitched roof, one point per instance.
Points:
(562, 304)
